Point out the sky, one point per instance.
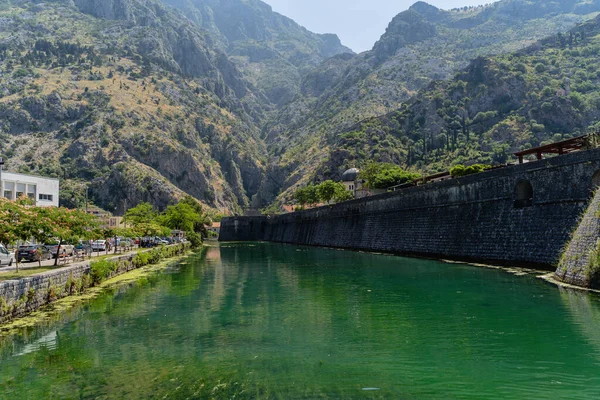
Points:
(358, 23)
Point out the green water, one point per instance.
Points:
(275, 321)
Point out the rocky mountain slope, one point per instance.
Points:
(130, 96)
(498, 105)
(421, 44)
(273, 51)
(147, 100)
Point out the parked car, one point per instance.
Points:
(6, 257)
(99, 245)
(83, 246)
(65, 249)
(30, 252)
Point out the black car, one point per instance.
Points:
(30, 253)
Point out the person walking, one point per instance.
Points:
(39, 253)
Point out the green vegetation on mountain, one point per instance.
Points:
(499, 105)
(136, 101)
(312, 139)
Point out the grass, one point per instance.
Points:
(24, 273)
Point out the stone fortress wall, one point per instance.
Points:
(519, 215)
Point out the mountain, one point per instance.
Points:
(234, 104)
(498, 105)
(273, 51)
(130, 96)
(421, 44)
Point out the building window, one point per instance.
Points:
(20, 189)
(31, 191)
(46, 197)
(523, 195)
(9, 188)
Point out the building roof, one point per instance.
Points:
(18, 174)
(560, 148)
(288, 208)
(350, 175)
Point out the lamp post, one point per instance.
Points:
(1, 185)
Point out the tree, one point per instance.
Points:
(312, 197)
(203, 220)
(181, 216)
(143, 213)
(326, 191)
(342, 194)
(385, 175)
(64, 224)
(19, 220)
(306, 195)
(301, 196)
(368, 174)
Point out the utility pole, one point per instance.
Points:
(1, 186)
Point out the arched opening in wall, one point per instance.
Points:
(523, 194)
(596, 181)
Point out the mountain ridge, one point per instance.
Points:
(150, 100)
(378, 81)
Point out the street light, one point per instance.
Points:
(1, 186)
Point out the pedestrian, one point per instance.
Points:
(17, 257)
(39, 253)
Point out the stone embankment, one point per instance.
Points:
(579, 264)
(23, 296)
(521, 215)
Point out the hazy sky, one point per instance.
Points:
(359, 23)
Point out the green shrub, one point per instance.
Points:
(30, 295)
(52, 295)
(100, 270)
(195, 239)
(84, 282)
(461, 170)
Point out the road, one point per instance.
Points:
(50, 263)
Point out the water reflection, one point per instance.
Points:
(584, 308)
(271, 321)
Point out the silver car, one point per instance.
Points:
(6, 257)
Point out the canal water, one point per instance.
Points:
(268, 321)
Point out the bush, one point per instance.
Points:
(101, 270)
(461, 170)
(195, 239)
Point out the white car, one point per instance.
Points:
(99, 245)
(6, 257)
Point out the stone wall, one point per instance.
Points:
(576, 266)
(474, 218)
(21, 297)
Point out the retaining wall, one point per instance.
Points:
(474, 218)
(576, 264)
(23, 296)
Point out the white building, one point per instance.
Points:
(43, 190)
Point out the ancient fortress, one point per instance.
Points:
(540, 214)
